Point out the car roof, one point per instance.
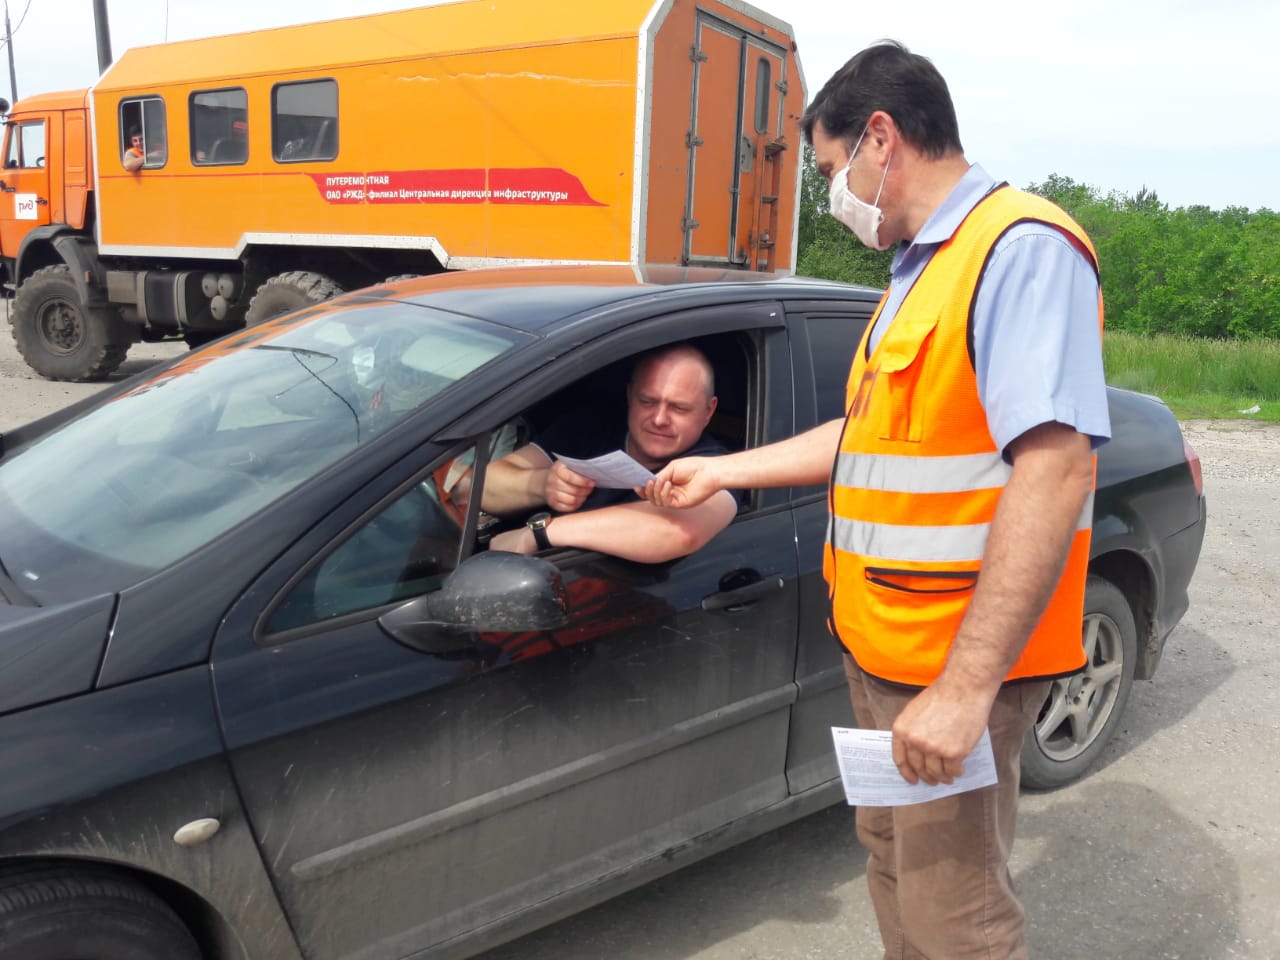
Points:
(539, 299)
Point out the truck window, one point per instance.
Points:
(143, 117)
(26, 145)
(304, 121)
(219, 126)
(763, 88)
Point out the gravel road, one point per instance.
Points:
(1168, 850)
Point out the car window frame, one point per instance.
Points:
(621, 340)
(799, 317)
(743, 320)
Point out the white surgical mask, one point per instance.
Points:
(862, 218)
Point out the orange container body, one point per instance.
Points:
(486, 132)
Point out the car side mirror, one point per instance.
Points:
(492, 592)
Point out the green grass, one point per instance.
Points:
(1198, 379)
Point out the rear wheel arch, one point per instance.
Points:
(1132, 575)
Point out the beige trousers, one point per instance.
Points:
(938, 872)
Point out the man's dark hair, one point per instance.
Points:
(887, 76)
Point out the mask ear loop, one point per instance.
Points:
(883, 178)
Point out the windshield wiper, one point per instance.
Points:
(296, 351)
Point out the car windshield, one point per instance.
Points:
(163, 469)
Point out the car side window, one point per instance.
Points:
(589, 417)
(404, 550)
(832, 342)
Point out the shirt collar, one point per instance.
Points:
(944, 221)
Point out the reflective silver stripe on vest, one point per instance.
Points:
(899, 474)
(961, 543)
(920, 544)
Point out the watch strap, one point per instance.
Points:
(538, 525)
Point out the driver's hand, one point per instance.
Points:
(566, 490)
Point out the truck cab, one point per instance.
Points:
(45, 180)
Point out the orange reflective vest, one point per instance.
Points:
(917, 479)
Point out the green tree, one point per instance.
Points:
(1191, 270)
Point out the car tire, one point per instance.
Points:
(61, 338)
(1084, 710)
(57, 913)
(289, 291)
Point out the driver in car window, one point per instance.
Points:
(670, 401)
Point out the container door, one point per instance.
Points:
(737, 114)
(760, 155)
(24, 182)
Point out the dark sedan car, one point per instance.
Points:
(263, 689)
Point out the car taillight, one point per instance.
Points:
(1193, 461)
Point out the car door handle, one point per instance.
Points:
(740, 596)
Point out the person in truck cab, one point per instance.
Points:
(135, 154)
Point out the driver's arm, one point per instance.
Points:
(636, 531)
(516, 483)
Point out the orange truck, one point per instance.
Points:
(206, 185)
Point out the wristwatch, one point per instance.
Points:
(538, 524)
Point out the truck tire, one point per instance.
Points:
(289, 291)
(62, 338)
(88, 913)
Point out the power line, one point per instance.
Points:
(21, 20)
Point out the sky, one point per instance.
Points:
(1179, 97)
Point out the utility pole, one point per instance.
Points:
(103, 31)
(8, 39)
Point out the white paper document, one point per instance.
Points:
(617, 470)
(871, 779)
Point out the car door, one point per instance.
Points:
(824, 338)
(405, 800)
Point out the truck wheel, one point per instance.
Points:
(56, 913)
(289, 291)
(60, 337)
(1084, 710)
